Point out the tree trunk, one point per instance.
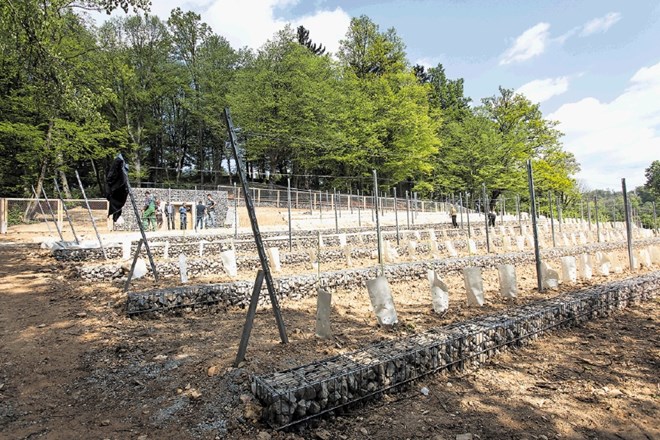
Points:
(42, 173)
(98, 178)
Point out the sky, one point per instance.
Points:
(592, 65)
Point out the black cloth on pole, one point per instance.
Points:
(117, 190)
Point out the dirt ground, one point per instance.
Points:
(72, 365)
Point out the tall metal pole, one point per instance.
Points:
(105, 256)
(255, 230)
(378, 238)
(66, 211)
(589, 213)
(629, 237)
(57, 226)
(485, 205)
(396, 216)
(36, 198)
(597, 219)
(552, 221)
(288, 200)
(537, 252)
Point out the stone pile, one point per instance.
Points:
(308, 391)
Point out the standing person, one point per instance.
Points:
(159, 213)
(210, 210)
(453, 216)
(149, 213)
(183, 215)
(491, 218)
(199, 211)
(169, 213)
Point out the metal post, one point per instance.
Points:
(581, 210)
(235, 211)
(552, 221)
(655, 218)
(334, 204)
(59, 193)
(414, 213)
(311, 204)
(359, 210)
(460, 206)
(589, 213)
(532, 198)
(52, 214)
(288, 200)
(255, 230)
(129, 277)
(36, 198)
(597, 220)
(249, 319)
(518, 213)
(485, 206)
(467, 202)
(559, 219)
(378, 238)
(396, 216)
(105, 256)
(629, 237)
(408, 209)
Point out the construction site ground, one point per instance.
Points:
(73, 365)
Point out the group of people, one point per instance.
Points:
(154, 211)
(491, 217)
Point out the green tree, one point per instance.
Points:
(652, 174)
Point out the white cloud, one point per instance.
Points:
(429, 62)
(616, 139)
(541, 90)
(529, 44)
(600, 24)
(252, 22)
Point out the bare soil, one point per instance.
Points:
(72, 365)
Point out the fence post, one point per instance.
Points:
(3, 216)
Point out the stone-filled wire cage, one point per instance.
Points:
(128, 221)
(302, 393)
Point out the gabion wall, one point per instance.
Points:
(176, 196)
(308, 391)
(205, 296)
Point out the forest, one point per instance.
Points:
(73, 94)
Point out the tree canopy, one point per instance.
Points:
(73, 95)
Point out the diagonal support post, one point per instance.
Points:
(130, 272)
(52, 214)
(66, 211)
(249, 319)
(255, 229)
(89, 210)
